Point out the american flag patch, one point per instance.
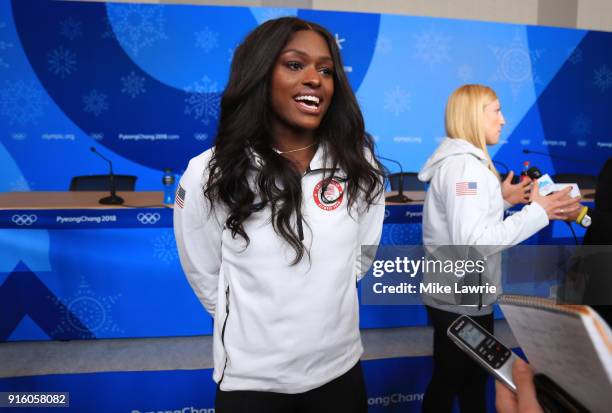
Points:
(466, 188)
(180, 196)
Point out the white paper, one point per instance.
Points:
(562, 347)
(575, 191)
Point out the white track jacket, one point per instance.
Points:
(278, 327)
(464, 204)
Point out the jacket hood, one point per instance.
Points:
(449, 148)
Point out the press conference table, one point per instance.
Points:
(108, 263)
(67, 246)
(140, 199)
(75, 200)
(75, 209)
(72, 209)
(81, 200)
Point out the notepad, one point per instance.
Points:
(571, 344)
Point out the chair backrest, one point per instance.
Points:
(102, 183)
(410, 181)
(583, 181)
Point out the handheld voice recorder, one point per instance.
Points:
(483, 347)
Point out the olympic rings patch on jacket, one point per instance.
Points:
(330, 197)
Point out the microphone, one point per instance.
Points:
(113, 199)
(587, 196)
(564, 158)
(534, 173)
(400, 198)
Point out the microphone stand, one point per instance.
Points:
(400, 198)
(528, 151)
(113, 199)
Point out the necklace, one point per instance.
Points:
(293, 150)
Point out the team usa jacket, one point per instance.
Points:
(464, 206)
(278, 327)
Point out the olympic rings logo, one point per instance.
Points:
(148, 218)
(24, 220)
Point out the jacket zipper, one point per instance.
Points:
(299, 225)
(298, 217)
(223, 332)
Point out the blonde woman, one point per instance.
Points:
(465, 206)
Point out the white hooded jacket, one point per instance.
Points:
(464, 203)
(277, 327)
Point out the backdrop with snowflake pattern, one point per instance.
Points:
(142, 83)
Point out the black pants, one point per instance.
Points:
(345, 394)
(455, 373)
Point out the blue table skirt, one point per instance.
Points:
(115, 273)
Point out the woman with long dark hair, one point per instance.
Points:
(270, 221)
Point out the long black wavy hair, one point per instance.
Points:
(245, 125)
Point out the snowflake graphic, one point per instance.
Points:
(133, 85)
(164, 247)
(465, 73)
(207, 40)
(22, 102)
(339, 40)
(62, 62)
(401, 234)
(4, 46)
(95, 102)
(86, 312)
(203, 100)
(383, 44)
(71, 28)
(602, 78)
(137, 26)
(575, 55)
(581, 126)
(397, 101)
(20, 185)
(432, 47)
(515, 64)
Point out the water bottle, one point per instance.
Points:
(524, 174)
(168, 182)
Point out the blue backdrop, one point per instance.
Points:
(142, 84)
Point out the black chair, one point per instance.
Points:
(102, 183)
(583, 181)
(410, 181)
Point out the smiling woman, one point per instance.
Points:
(302, 89)
(272, 223)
